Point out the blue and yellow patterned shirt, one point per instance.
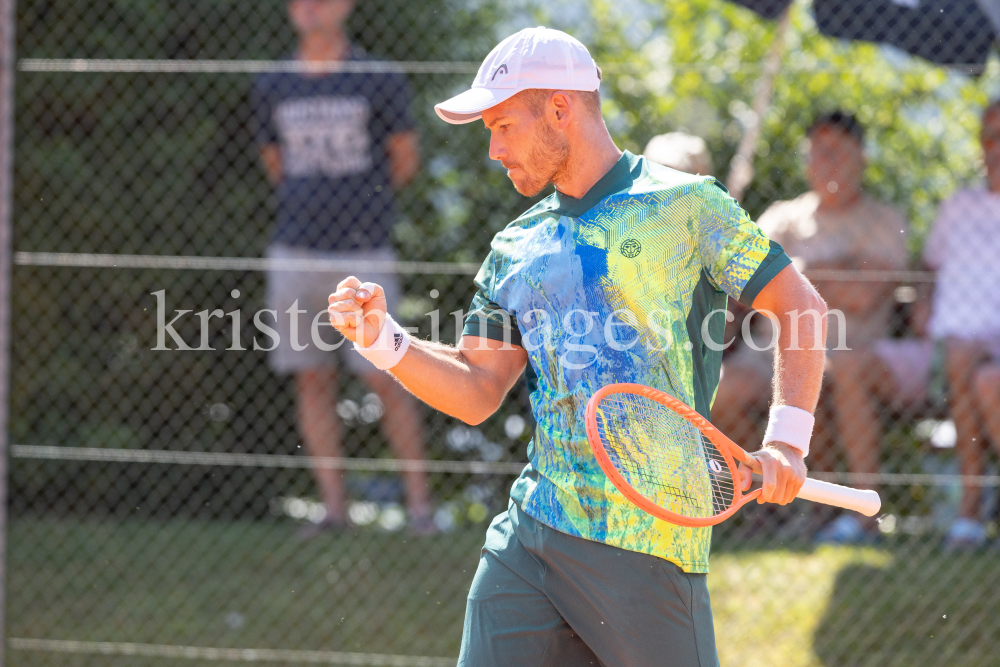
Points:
(623, 285)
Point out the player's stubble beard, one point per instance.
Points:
(546, 161)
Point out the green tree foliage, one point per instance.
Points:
(694, 65)
(165, 164)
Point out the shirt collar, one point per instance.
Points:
(620, 177)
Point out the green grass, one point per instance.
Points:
(906, 603)
(186, 582)
(254, 585)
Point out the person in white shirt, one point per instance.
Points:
(963, 248)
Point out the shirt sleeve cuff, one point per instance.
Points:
(485, 327)
(775, 261)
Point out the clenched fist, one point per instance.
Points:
(358, 310)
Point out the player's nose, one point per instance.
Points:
(497, 150)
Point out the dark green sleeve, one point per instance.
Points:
(487, 318)
(775, 261)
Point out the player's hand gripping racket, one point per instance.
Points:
(671, 462)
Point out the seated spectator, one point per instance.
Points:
(833, 226)
(963, 248)
(680, 151)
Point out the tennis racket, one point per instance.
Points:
(671, 462)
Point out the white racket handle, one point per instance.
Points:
(865, 501)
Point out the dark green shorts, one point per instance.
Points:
(541, 597)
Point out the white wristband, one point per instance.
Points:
(790, 425)
(390, 346)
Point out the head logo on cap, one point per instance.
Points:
(539, 58)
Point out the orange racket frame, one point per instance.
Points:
(863, 501)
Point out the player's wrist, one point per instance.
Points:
(790, 426)
(789, 451)
(388, 347)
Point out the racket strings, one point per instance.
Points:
(664, 457)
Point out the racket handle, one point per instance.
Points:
(865, 501)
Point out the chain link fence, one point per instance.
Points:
(179, 172)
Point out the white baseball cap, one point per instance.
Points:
(533, 58)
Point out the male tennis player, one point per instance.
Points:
(620, 275)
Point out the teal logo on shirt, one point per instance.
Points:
(631, 248)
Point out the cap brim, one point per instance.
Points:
(471, 104)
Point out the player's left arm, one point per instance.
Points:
(798, 373)
(403, 151)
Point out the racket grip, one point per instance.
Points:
(865, 501)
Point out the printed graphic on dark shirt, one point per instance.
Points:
(325, 136)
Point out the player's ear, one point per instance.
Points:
(561, 106)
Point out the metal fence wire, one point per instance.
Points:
(184, 177)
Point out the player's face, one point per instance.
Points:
(533, 152)
(836, 161)
(990, 138)
(311, 16)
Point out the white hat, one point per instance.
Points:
(533, 58)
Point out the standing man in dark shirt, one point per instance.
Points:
(335, 146)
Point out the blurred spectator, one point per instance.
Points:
(963, 248)
(680, 151)
(833, 226)
(335, 146)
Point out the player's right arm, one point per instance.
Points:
(468, 381)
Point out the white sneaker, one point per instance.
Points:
(965, 535)
(845, 529)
